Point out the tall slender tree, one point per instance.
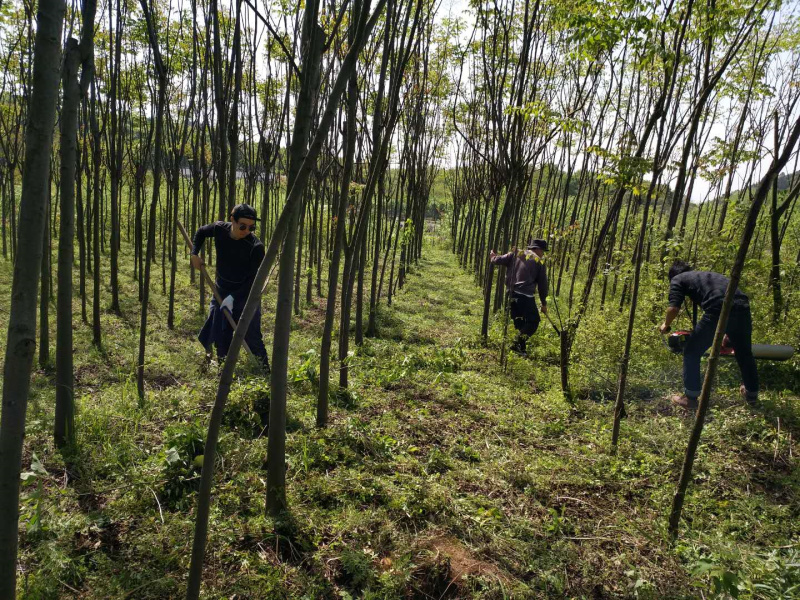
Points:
(21, 340)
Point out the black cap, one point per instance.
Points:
(244, 211)
(538, 244)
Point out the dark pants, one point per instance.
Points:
(526, 318)
(740, 333)
(218, 331)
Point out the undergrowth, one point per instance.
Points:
(443, 474)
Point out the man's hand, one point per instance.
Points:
(672, 314)
(196, 261)
(544, 308)
(492, 254)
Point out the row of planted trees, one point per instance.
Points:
(142, 117)
(595, 125)
(591, 123)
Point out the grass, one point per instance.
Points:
(440, 475)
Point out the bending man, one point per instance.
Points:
(239, 254)
(525, 271)
(707, 290)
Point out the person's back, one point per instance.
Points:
(526, 272)
(705, 288)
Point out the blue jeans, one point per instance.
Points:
(740, 333)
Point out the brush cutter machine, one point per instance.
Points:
(676, 342)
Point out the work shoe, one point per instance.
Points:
(750, 397)
(683, 401)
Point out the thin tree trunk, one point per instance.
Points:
(44, 295)
(311, 40)
(21, 340)
(619, 405)
(775, 243)
(151, 233)
(81, 232)
(338, 243)
(64, 430)
(115, 151)
(97, 339)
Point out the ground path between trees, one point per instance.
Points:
(439, 475)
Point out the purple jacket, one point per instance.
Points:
(525, 271)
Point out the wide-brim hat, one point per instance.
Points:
(537, 243)
(244, 211)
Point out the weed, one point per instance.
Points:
(431, 441)
(182, 460)
(346, 398)
(438, 462)
(357, 568)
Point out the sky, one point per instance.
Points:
(702, 187)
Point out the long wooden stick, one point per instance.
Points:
(211, 284)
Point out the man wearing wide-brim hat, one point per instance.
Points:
(525, 272)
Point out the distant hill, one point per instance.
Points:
(785, 180)
(784, 183)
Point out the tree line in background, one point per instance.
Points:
(589, 123)
(592, 123)
(583, 120)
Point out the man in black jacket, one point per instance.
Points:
(525, 272)
(707, 290)
(238, 255)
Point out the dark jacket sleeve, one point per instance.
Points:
(544, 285)
(200, 236)
(677, 292)
(256, 256)
(503, 259)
